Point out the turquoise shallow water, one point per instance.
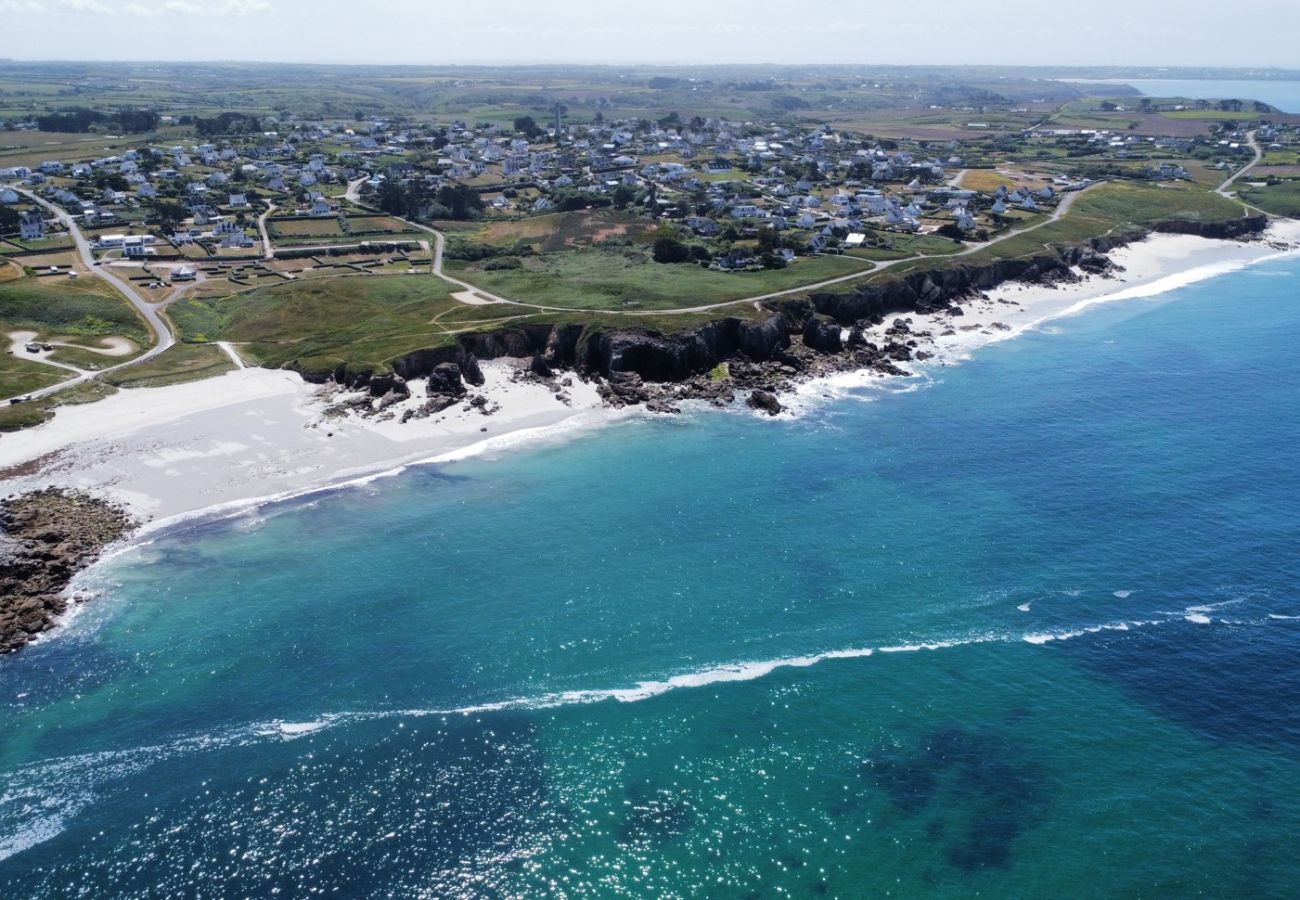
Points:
(1028, 630)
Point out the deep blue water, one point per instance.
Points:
(1028, 630)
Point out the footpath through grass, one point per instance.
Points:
(1281, 199)
(361, 322)
(627, 278)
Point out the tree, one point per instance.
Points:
(8, 220)
(623, 195)
(671, 250)
(528, 126)
(169, 214)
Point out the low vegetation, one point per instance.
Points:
(1281, 199)
(179, 363)
(627, 278)
(358, 322)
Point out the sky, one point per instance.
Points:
(435, 32)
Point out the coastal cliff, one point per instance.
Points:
(796, 338)
(46, 537)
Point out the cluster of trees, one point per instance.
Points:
(527, 125)
(223, 123)
(417, 199)
(79, 120)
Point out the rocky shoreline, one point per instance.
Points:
(46, 538)
(732, 358)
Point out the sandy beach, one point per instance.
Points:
(1156, 265)
(257, 434)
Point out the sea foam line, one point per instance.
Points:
(40, 799)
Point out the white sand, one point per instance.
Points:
(1153, 266)
(256, 433)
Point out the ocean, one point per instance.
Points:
(1026, 626)
(1285, 95)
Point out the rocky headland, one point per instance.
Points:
(754, 360)
(46, 537)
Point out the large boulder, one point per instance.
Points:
(446, 379)
(764, 401)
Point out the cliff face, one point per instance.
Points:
(653, 357)
(1233, 230)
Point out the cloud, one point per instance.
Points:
(17, 6)
(150, 9)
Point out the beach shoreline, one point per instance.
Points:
(220, 446)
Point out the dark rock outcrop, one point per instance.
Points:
(764, 401)
(797, 337)
(1235, 229)
(822, 335)
(445, 379)
(46, 537)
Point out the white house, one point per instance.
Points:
(321, 207)
(8, 195)
(31, 227)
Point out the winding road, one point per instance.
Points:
(353, 194)
(1232, 179)
(148, 311)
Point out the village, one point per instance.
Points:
(256, 237)
(746, 196)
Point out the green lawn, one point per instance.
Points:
(1213, 115)
(626, 278)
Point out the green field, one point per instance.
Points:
(626, 278)
(85, 308)
(179, 363)
(1280, 199)
(361, 322)
(320, 227)
(21, 376)
(553, 231)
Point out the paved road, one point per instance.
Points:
(1231, 179)
(148, 310)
